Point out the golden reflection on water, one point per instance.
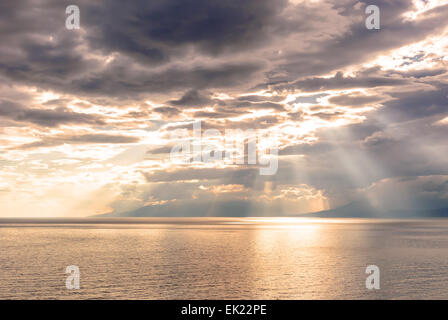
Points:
(223, 258)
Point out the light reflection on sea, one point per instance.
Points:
(223, 258)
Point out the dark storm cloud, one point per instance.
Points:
(432, 186)
(421, 73)
(41, 51)
(359, 44)
(148, 35)
(167, 111)
(417, 104)
(183, 54)
(45, 117)
(354, 99)
(155, 31)
(126, 82)
(192, 98)
(338, 81)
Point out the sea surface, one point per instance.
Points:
(223, 258)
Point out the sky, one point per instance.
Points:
(88, 115)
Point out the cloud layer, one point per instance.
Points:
(87, 116)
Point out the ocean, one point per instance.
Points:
(223, 258)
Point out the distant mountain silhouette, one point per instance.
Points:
(200, 209)
(359, 209)
(363, 209)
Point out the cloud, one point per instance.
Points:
(354, 100)
(429, 192)
(116, 81)
(191, 98)
(46, 117)
(356, 112)
(417, 104)
(52, 141)
(159, 31)
(167, 111)
(338, 81)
